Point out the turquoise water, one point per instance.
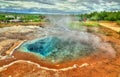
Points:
(42, 47)
(56, 49)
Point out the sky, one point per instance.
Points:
(58, 6)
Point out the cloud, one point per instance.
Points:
(72, 0)
(58, 6)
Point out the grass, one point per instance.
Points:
(77, 25)
(118, 22)
(1, 26)
(91, 23)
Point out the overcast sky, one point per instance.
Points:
(58, 6)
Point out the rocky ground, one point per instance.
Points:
(21, 64)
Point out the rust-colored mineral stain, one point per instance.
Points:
(98, 64)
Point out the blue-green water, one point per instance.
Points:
(42, 46)
(56, 49)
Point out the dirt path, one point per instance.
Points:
(111, 25)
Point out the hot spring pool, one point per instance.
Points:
(57, 49)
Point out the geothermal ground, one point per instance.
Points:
(104, 62)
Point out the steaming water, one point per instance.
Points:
(61, 44)
(58, 48)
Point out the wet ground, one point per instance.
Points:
(99, 64)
